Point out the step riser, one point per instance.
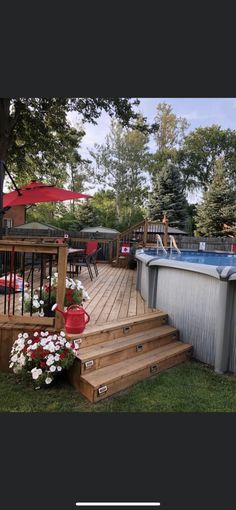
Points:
(91, 394)
(128, 352)
(105, 336)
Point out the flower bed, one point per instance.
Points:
(42, 355)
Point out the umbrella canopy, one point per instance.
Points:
(36, 192)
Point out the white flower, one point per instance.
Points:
(14, 358)
(11, 365)
(46, 333)
(55, 275)
(36, 333)
(34, 346)
(50, 360)
(36, 304)
(54, 337)
(62, 333)
(52, 368)
(20, 335)
(41, 302)
(36, 372)
(57, 347)
(29, 342)
(59, 369)
(51, 347)
(68, 345)
(56, 357)
(48, 380)
(43, 342)
(25, 335)
(21, 360)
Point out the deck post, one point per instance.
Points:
(62, 270)
(166, 234)
(145, 230)
(117, 248)
(110, 251)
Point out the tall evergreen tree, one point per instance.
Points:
(168, 195)
(218, 207)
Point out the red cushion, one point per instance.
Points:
(91, 246)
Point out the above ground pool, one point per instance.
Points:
(197, 289)
(198, 257)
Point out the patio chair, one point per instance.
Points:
(77, 262)
(94, 260)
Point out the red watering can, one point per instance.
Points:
(74, 318)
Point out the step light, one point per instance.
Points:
(102, 390)
(89, 364)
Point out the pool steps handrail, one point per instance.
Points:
(160, 244)
(173, 243)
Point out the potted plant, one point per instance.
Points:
(42, 356)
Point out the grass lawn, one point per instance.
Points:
(190, 387)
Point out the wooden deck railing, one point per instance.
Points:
(144, 232)
(106, 254)
(13, 255)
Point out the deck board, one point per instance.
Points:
(113, 295)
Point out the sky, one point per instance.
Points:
(198, 112)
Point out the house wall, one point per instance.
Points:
(17, 214)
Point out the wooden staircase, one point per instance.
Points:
(117, 355)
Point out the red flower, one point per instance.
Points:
(42, 364)
(62, 355)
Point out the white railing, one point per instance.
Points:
(160, 244)
(173, 244)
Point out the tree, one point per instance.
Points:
(120, 165)
(171, 128)
(200, 150)
(87, 215)
(169, 139)
(38, 128)
(218, 207)
(36, 137)
(168, 195)
(104, 202)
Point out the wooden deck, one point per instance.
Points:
(113, 295)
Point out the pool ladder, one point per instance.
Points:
(173, 244)
(160, 244)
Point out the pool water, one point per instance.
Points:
(198, 257)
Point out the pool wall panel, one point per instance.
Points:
(191, 303)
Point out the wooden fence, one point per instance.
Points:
(211, 243)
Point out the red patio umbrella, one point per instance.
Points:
(36, 192)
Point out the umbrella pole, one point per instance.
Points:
(2, 174)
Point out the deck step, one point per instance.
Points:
(107, 353)
(109, 331)
(106, 381)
